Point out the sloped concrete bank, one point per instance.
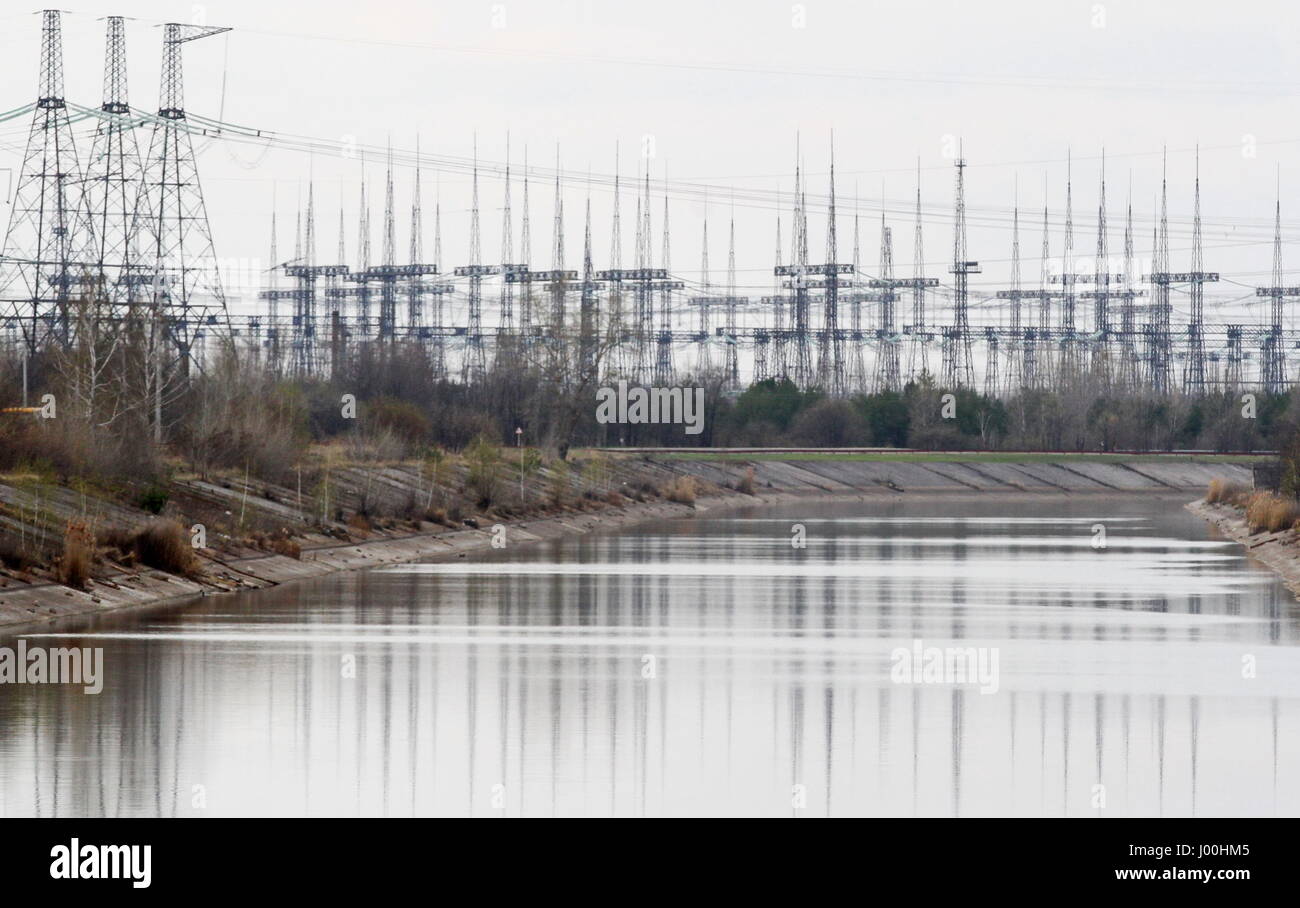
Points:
(25, 604)
(1279, 551)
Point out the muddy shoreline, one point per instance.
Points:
(1279, 551)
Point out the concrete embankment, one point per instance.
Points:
(235, 564)
(1074, 475)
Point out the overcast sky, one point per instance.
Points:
(721, 90)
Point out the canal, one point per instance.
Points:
(757, 662)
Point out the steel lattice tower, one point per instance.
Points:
(887, 366)
(705, 363)
(918, 359)
(1101, 289)
(1129, 364)
(1159, 352)
(732, 363)
(588, 309)
(172, 217)
(644, 293)
(47, 229)
(957, 368)
(857, 361)
(1068, 363)
(438, 355)
(799, 316)
(113, 176)
(415, 287)
(776, 364)
(663, 375)
(616, 362)
(526, 316)
(830, 360)
(1016, 360)
(506, 303)
(1041, 374)
(1194, 378)
(475, 364)
(271, 295)
(1273, 369)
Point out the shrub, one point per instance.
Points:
(153, 499)
(1282, 514)
(78, 548)
(1257, 511)
(484, 461)
(403, 419)
(1266, 512)
(1223, 491)
(163, 544)
(286, 547)
(746, 483)
(15, 555)
(559, 483)
(681, 490)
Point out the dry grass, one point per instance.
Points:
(681, 490)
(1223, 491)
(746, 483)
(286, 547)
(1266, 512)
(360, 523)
(164, 544)
(78, 553)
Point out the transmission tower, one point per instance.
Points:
(1101, 290)
(1022, 361)
(1040, 375)
(1129, 362)
(506, 329)
(1159, 354)
(775, 364)
(1273, 369)
(113, 176)
(474, 366)
(957, 368)
(887, 366)
(830, 359)
(438, 353)
(588, 309)
(733, 303)
(992, 354)
(1194, 378)
(172, 217)
(798, 283)
(704, 363)
(664, 337)
(48, 230)
(919, 336)
(415, 287)
(616, 364)
(801, 279)
(271, 294)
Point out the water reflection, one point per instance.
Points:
(704, 667)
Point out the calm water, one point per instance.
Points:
(705, 667)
